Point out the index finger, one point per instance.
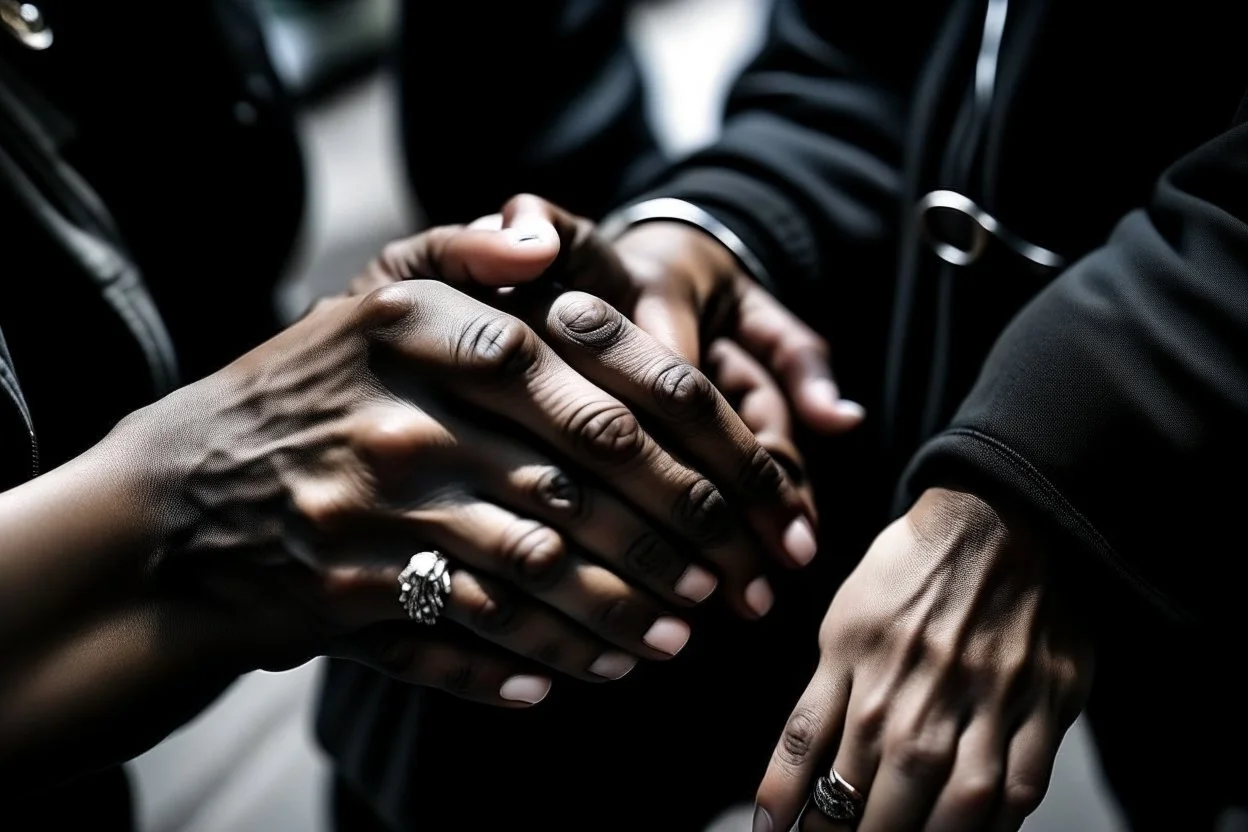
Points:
(804, 745)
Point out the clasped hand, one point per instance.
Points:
(587, 483)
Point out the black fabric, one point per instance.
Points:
(1164, 696)
(1114, 405)
(854, 111)
(169, 119)
(508, 98)
(176, 123)
(351, 811)
(102, 802)
(851, 113)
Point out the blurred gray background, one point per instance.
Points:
(250, 762)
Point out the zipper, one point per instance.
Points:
(8, 380)
(983, 89)
(989, 58)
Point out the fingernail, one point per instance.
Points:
(527, 234)
(759, 597)
(696, 584)
(613, 665)
(762, 820)
(850, 410)
(527, 689)
(799, 541)
(667, 635)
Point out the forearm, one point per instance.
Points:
(74, 543)
(99, 659)
(106, 691)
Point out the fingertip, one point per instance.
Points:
(527, 223)
(696, 584)
(821, 407)
(799, 541)
(849, 410)
(532, 235)
(525, 690)
(760, 597)
(668, 635)
(513, 255)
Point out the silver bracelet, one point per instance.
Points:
(677, 210)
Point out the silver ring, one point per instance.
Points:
(837, 799)
(423, 586)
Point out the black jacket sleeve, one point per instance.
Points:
(498, 99)
(1115, 406)
(807, 168)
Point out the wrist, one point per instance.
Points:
(191, 587)
(676, 252)
(146, 451)
(81, 539)
(955, 521)
(1002, 552)
(681, 212)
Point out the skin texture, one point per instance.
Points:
(951, 667)
(681, 288)
(261, 516)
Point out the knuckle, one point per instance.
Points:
(1065, 673)
(872, 716)
(919, 756)
(1013, 670)
(648, 556)
(614, 617)
(607, 432)
(1022, 797)
(325, 505)
(1071, 685)
(497, 345)
(459, 678)
(588, 321)
(975, 793)
(760, 477)
(550, 652)
(559, 492)
(684, 393)
(703, 511)
(392, 651)
(387, 305)
(495, 613)
(798, 739)
(536, 553)
(940, 650)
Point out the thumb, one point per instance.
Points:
(514, 247)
